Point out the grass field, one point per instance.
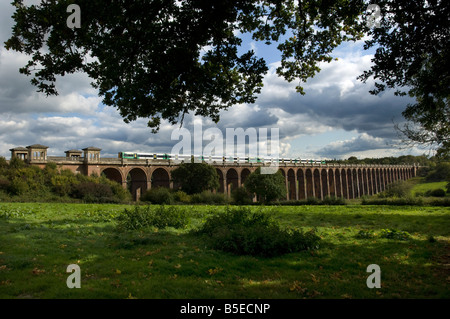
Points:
(39, 241)
(422, 187)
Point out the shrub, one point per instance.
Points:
(182, 197)
(438, 192)
(241, 196)
(409, 201)
(364, 234)
(4, 183)
(243, 232)
(148, 216)
(207, 197)
(440, 202)
(394, 234)
(91, 192)
(159, 195)
(120, 193)
(18, 186)
(312, 201)
(63, 185)
(440, 173)
(16, 163)
(384, 233)
(397, 190)
(333, 200)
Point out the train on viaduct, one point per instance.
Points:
(304, 179)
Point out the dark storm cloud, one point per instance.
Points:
(339, 102)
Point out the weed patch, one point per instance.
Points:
(152, 216)
(244, 232)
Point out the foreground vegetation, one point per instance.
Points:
(164, 260)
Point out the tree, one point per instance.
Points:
(196, 177)
(163, 59)
(413, 57)
(268, 187)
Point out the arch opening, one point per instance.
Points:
(137, 182)
(160, 178)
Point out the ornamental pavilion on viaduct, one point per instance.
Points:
(302, 180)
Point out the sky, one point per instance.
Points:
(336, 118)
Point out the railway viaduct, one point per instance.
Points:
(302, 180)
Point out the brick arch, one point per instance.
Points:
(232, 178)
(317, 184)
(369, 182)
(221, 180)
(378, 180)
(386, 178)
(301, 181)
(113, 174)
(360, 182)
(291, 191)
(344, 184)
(160, 177)
(337, 183)
(309, 183)
(365, 183)
(324, 177)
(244, 175)
(355, 183)
(137, 181)
(351, 193)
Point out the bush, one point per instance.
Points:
(4, 183)
(394, 234)
(207, 197)
(63, 185)
(159, 196)
(364, 234)
(438, 192)
(243, 232)
(409, 201)
(241, 196)
(328, 200)
(332, 200)
(182, 197)
(91, 192)
(440, 202)
(122, 194)
(384, 233)
(18, 186)
(440, 173)
(156, 216)
(397, 190)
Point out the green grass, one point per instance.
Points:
(421, 186)
(39, 241)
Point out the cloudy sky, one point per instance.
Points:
(337, 118)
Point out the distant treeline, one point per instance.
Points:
(421, 160)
